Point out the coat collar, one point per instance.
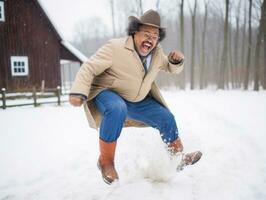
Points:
(129, 44)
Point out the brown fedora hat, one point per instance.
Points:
(150, 17)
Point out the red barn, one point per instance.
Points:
(31, 47)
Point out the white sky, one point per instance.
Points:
(66, 13)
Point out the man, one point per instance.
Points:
(117, 87)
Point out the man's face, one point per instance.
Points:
(146, 39)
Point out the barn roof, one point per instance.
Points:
(73, 50)
(63, 41)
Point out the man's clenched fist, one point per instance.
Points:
(176, 57)
(75, 100)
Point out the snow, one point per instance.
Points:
(49, 152)
(73, 50)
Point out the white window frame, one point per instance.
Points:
(2, 6)
(19, 65)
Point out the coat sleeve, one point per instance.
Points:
(169, 67)
(94, 66)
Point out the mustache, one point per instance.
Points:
(146, 41)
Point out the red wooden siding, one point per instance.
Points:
(28, 32)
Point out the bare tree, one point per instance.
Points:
(182, 41)
(203, 51)
(182, 37)
(263, 17)
(131, 7)
(249, 47)
(139, 7)
(215, 44)
(244, 28)
(264, 30)
(260, 33)
(90, 35)
(230, 72)
(236, 42)
(112, 6)
(224, 61)
(158, 5)
(193, 19)
(243, 46)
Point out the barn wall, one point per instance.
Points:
(28, 32)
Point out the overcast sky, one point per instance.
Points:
(66, 13)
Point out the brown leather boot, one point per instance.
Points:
(106, 161)
(175, 147)
(187, 159)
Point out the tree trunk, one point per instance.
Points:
(113, 16)
(182, 41)
(203, 51)
(182, 38)
(140, 7)
(193, 18)
(243, 48)
(217, 56)
(258, 45)
(236, 44)
(264, 33)
(249, 47)
(158, 5)
(224, 60)
(230, 74)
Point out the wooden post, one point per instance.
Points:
(3, 91)
(34, 95)
(58, 93)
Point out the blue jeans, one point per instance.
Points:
(115, 110)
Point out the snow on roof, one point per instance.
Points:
(62, 62)
(51, 20)
(69, 46)
(75, 51)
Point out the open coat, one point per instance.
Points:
(117, 66)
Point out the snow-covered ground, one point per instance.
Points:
(49, 152)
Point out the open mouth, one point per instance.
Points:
(146, 46)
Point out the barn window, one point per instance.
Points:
(2, 11)
(19, 66)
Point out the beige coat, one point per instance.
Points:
(117, 66)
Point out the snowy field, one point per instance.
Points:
(49, 152)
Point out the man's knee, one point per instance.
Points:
(167, 119)
(118, 108)
(114, 116)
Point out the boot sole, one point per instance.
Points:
(195, 159)
(106, 179)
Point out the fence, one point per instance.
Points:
(34, 96)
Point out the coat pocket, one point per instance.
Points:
(103, 82)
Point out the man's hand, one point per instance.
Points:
(176, 57)
(75, 100)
